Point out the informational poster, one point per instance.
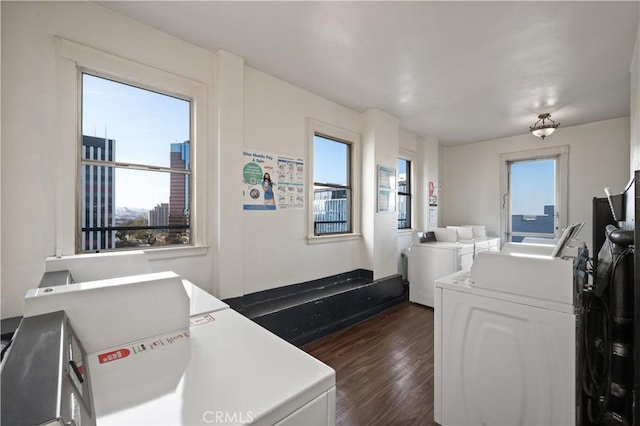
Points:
(433, 196)
(432, 220)
(290, 183)
(272, 182)
(386, 189)
(433, 217)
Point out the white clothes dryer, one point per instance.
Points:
(430, 261)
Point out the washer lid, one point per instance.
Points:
(226, 365)
(536, 276)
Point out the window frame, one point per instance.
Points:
(352, 139)
(72, 60)
(406, 194)
(561, 153)
(124, 165)
(348, 187)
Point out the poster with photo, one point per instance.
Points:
(258, 186)
(272, 182)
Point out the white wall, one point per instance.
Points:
(228, 266)
(598, 157)
(276, 251)
(246, 109)
(29, 174)
(380, 134)
(429, 155)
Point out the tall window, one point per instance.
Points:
(404, 193)
(135, 167)
(534, 193)
(332, 209)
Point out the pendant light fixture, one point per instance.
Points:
(544, 126)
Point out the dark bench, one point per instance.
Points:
(300, 313)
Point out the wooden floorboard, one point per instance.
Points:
(384, 368)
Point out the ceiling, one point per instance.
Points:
(459, 71)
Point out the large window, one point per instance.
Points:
(332, 192)
(135, 167)
(534, 193)
(404, 193)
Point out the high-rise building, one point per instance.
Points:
(179, 190)
(159, 216)
(98, 195)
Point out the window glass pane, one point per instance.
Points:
(404, 212)
(331, 161)
(404, 193)
(402, 175)
(332, 194)
(331, 210)
(124, 207)
(161, 202)
(532, 198)
(143, 124)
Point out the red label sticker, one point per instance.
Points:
(113, 355)
(202, 319)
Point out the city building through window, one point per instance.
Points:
(534, 193)
(135, 167)
(404, 193)
(332, 186)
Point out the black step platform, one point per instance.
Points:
(301, 313)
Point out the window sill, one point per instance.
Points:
(405, 231)
(175, 252)
(333, 238)
(107, 264)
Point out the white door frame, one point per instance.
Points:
(561, 153)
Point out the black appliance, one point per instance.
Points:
(608, 316)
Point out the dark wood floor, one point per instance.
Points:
(384, 368)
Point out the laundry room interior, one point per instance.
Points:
(319, 212)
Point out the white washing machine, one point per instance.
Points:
(430, 261)
(477, 235)
(225, 370)
(505, 342)
(469, 234)
(160, 350)
(486, 244)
